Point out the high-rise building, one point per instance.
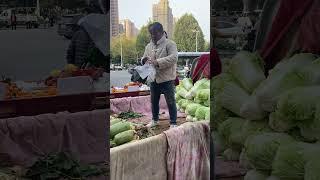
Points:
(162, 13)
(114, 18)
(129, 28)
(121, 28)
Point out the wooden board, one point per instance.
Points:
(53, 104)
(129, 94)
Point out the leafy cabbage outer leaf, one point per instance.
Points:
(299, 104)
(226, 65)
(181, 101)
(312, 169)
(219, 145)
(192, 108)
(255, 175)
(178, 97)
(208, 115)
(286, 75)
(233, 97)
(178, 87)
(312, 71)
(207, 83)
(229, 131)
(200, 84)
(177, 105)
(189, 118)
(261, 149)
(252, 110)
(291, 159)
(187, 83)
(273, 178)
(311, 131)
(182, 92)
(185, 104)
(203, 94)
(219, 114)
(206, 103)
(201, 112)
(243, 161)
(247, 68)
(249, 128)
(196, 100)
(280, 123)
(231, 155)
(218, 82)
(296, 61)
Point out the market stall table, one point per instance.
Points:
(129, 94)
(53, 104)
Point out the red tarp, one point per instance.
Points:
(203, 66)
(286, 25)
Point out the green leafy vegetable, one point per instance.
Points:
(61, 165)
(247, 68)
(231, 155)
(233, 97)
(261, 149)
(201, 112)
(229, 132)
(129, 115)
(286, 75)
(255, 175)
(187, 83)
(192, 108)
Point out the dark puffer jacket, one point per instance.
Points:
(79, 48)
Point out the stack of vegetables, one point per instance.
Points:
(121, 132)
(271, 125)
(194, 100)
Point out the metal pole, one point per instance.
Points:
(121, 51)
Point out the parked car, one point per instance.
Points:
(67, 24)
(22, 14)
(230, 28)
(237, 30)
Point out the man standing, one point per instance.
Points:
(13, 21)
(163, 55)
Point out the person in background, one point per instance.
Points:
(13, 21)
(28, 21)
(251, 37)
(81, 43)
(162, 53)
(46, 22)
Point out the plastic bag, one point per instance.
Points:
(145, 71)
(152, 76)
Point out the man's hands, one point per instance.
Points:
(152, 60)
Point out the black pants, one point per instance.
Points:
(168, 89)
(14, 26)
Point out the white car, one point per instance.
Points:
(230, 28)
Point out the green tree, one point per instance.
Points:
(143, 39)
(128, 50)
(185, 36)
(207, 46)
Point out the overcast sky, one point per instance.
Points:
(139, 11)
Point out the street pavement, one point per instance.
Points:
(31, 54)
(119, 78)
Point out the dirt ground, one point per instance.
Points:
(164, 124)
